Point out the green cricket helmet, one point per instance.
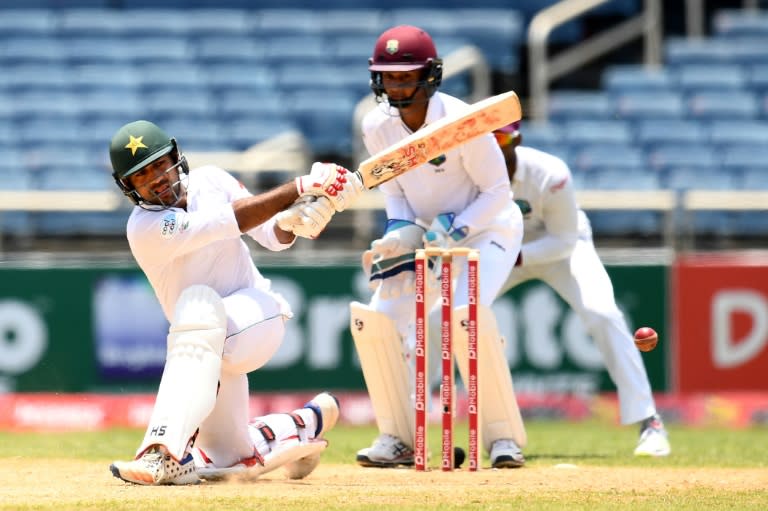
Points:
(136, 145)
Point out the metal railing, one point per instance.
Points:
(544, 69)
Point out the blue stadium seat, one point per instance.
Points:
(740, 158)
(261, 105)
(570, 104)
(353, 49)
(192, 104)
(366, 22)
(27, 23)
(351, 78)
(755, 178)
(624, 222)
(723, 105)
(238, 50)
(41, 77)
(710, 77)
(740, 23)
(497, 32)
(727, 132)
(95, 77)
(37, 104)
(215, 19)
(227, 77)
(297, 48)
(614, 157)
(247, 132)
(192, 137)
(13, 175)
(577, 133)
(757, 78)
(37, 131)
(115, 103)
(70, 177)
(753, 223)
(636, 106)
(325, 118)
(286, 22)
(30, 50)
(56, 155)
(158, 77)
(684, 51)
(668, 156)
(93, 23)
(699, 178)
(538, 134)
(103, 49)
(637, 78)
(653, 132)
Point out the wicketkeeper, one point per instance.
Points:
(458, 199)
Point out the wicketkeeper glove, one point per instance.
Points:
(340, 186)
(392, 259)
(442, 233)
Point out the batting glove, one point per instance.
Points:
(340, 186)
(306, 218)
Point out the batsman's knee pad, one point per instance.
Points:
(187, 392)
(380, 350)
(499, 413)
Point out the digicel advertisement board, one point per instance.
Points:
(720, 322)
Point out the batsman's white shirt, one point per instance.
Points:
(202, 245)
(558, 249)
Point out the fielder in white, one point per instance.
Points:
(558, 249)
(459, 199)
(186, 235)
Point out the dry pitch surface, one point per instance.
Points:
(75, 484)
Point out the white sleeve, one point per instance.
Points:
(485, 165)
(560, 221)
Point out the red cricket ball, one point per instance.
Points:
(646, 338)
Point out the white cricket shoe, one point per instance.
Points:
(506, 454)
(326, 408)
(654, 440)
(155, 467)
(386, 451)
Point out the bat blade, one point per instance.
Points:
(439, 137)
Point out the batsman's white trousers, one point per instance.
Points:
(255, 330)
(581, 280)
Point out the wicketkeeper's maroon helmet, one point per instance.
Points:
(405, 48)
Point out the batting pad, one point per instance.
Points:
(385, 369)
(187, 392)
(499, 414)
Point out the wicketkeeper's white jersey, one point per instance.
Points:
(553, 221)
(470, 181)
(202, 245)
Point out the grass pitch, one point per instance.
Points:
(579, 466)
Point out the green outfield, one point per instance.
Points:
(585, 465)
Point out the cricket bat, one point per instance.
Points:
(439, 137)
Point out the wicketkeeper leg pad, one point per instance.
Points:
(380, 350)
(187, 392)
(499, 413)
